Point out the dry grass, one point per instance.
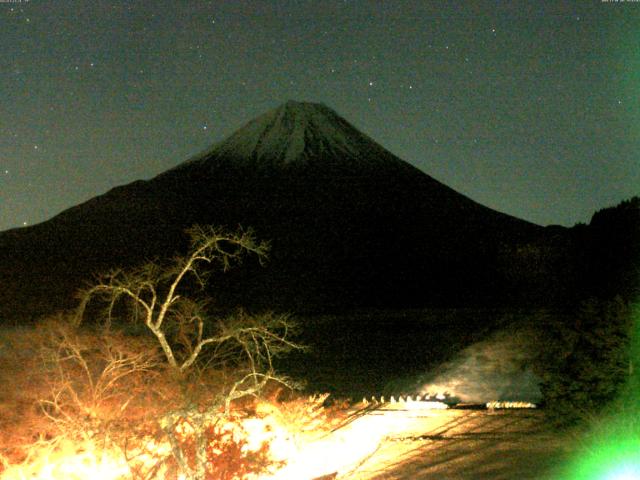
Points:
(61, 382)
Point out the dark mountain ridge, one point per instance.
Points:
(351, 225)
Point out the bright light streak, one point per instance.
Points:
(624, 472)
(613, 450)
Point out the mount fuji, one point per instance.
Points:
(351, 225)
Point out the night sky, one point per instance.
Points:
(531, 108)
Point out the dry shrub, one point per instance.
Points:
(236, 444)
(305, 418)
(215, 447)
(101, 382)
(90, 395)
(63, 382)
(22, 378)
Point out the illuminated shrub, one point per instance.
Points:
(103, 402)
(70, 385)
(160, 403)
(218, 449)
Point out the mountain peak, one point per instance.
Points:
(298, 106)
(296, 132)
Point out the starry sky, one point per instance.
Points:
(529, 107)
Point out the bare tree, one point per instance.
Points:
(181, 324)
(242, 346)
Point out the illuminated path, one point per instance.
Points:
(468, 444)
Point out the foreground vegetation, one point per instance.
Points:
(152, 381)
(85, 400)
(585, 359)
(145, 382)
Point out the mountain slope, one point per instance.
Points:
(350, 225)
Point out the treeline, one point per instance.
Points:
(563, 267)
(610, 248)
(586, 355)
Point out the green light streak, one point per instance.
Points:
(612, 450)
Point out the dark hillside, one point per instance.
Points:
(609, 248)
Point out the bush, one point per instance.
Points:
(166, 402)
(99, 399)
(585, 359)
(72, 384)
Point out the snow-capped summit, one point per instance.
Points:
(296, 132)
